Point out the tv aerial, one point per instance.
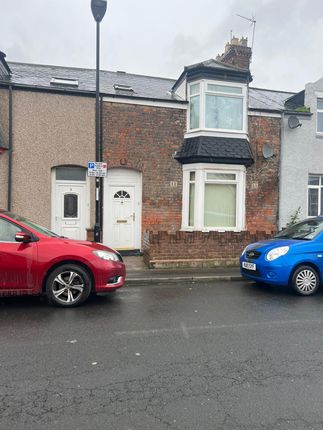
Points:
(253, 23)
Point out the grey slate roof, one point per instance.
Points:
(216, 65)
(207, 149)
(155, 88)
(267, 99)
(40, 76)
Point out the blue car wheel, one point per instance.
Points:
(305, 281)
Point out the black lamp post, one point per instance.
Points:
(98, 8)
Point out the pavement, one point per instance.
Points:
(138, 273)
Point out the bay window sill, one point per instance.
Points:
(242, 134)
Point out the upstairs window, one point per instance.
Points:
(223, 107)
(195, 106)
(320, 115)
(217, 106)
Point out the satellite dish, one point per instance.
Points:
(293, 122)
(267, 151)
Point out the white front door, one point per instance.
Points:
(122, 209)
(70, 210)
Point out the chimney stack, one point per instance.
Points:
(237, 53)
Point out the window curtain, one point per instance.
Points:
(195, 112)
(223, 112)
(220, 205)
(191, 205)
(313, 200)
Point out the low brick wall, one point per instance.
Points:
(196, 249)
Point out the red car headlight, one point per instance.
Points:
(108, 255)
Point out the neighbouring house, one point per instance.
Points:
(193, 163)
(47, 115)
(301, 178)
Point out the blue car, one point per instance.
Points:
(293, 257)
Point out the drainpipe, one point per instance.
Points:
(280, 182)
(10, 151)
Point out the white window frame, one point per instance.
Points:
(315, 187)
(201, 169)
(318, 111)
(203, 92)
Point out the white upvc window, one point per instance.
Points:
(195, 106)
(315, 195)
(217, 106)
(319, 127)
(213, 197)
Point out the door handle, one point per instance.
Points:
(134, 216)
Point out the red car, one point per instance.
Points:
(34, 261)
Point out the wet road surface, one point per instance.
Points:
(192, 356)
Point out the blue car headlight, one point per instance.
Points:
(106, 255)
(276, 253)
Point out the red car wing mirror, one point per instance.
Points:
(22, 236)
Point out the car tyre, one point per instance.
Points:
(68, 285)
(305, 281)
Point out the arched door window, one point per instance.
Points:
(121, 195)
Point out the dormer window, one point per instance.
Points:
(217, 106)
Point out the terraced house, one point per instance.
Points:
(193, 163)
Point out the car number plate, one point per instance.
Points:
(249, 266)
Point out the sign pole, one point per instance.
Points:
(98, 8)
(97, 227)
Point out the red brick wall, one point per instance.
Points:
(263, 175)
(145, 138)
(191, 248)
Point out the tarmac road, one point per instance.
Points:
(228, 355)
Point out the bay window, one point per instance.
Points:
(213, 197)
(217, 106)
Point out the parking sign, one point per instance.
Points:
(97, 169)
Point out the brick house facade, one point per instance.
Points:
(181, 189)
(144, 138)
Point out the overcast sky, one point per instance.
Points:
(160, 37)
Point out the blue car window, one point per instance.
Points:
(305, 230)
